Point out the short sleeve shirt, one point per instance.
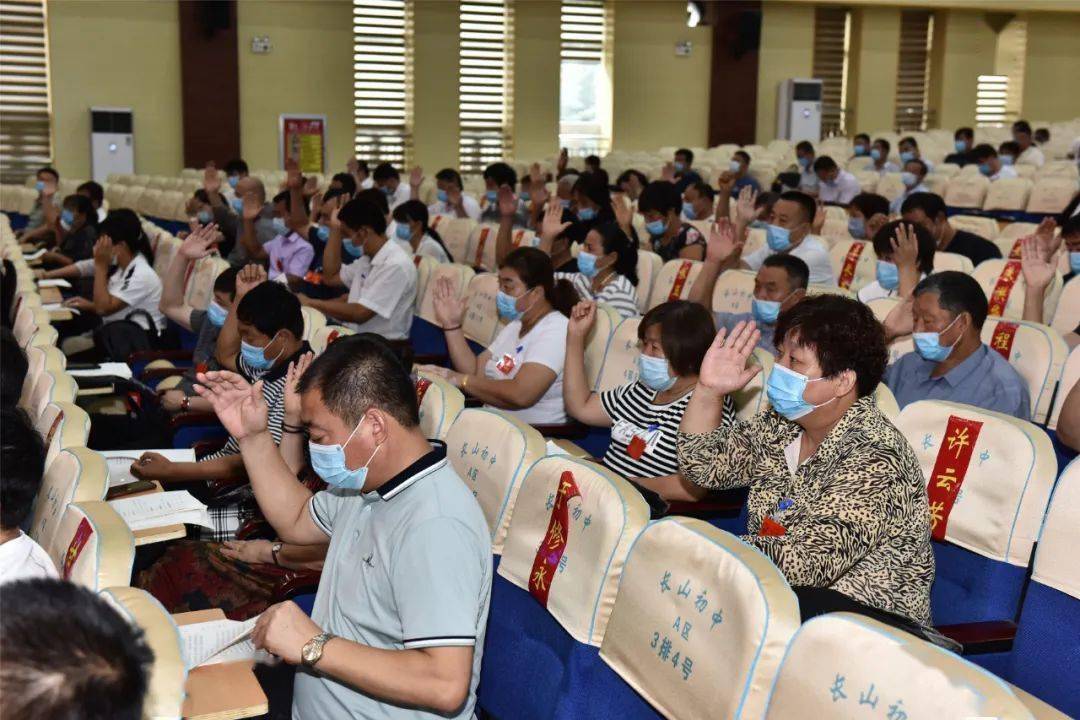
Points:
(841, 191)
(973, 247)
(409, 566)
(618, 292)
(428, 247)
(137, 285)
(545, 344)
(79, 245)
(812, 250)
(728, 321)
(687, 236)
(472, 208)
(21, 558)
(290, 254)
(386, 285)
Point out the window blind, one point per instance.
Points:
(913, 70)
(585, 78)
(25, 128)
(485, 83)
(832, 43)
(383, 80)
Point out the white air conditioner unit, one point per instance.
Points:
(112, 144)
(798, 110)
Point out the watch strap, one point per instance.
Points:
(312, 651)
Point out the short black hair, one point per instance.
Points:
(766, 200)
(593, 160)
(375, 197)
(22, 464)
(236, 166)
(92, 190)
(226, 281)
(84, 206)
(686, 153)
(919, 164)
(615, 240)
(930, 203)
(595, 188)
(862, 136)
(804, 146)
(870, 204)
(359, 372)
(269, 307)
(347, 182)
(797, 270)
(361, 212)
(625, 176)
(202, 196)
(68, 653)
(1009, 147)
(909, 140)
(501, 174)
(809, 207)
(1022, 126)
(824, 164)
(844, 335)
(965, 132)
(884, 144)
(13, 361)
(661, 196)
(123, 226)
(883, 238)
(385, 171)
(742, 154)
(1042, 135)
(983, 151)
(687, 330)
(958, 293)
(703, 188)
(362, 166)
(1071, 226)
(450, 175)
(48, 171)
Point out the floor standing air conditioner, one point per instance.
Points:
(112, 144)
(798, 110)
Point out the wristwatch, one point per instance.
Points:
(274, 550)
(185, 404)
(312, 651)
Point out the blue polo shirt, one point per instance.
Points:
(728, 321)
(409, 566)
(985, 380)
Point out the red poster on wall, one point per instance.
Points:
(303, 138)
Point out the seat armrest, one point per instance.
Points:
(570, 430)
(297, 582)
(160, 373)
(982, 637)
(145, 356)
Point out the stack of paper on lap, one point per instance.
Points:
(159, 509)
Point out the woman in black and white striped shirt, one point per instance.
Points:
(644, 415)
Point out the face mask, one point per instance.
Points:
(759, 224)
(323, 232)
(1074, 262)
(237, 205)
(402, 232)
(907, 156)
(233, 181)
(734, 166)
(39, 185)
(67, 219)
(785, 391)
(888, 276)
(831, 182)
(961, 146)
(354, 250)
(779, 238)
(442, 196)
(1006, 159)
(506, 305)
(586, 264)
(386, 190)
(216, 314)
(656, 228)
(984, 168)
(765, 312)
(653, 373)
(928, 344)
(279, 226)
(875, 154)
(804, 162)
(491, 195)
(328, 462)
(255, 356)
(565, 203)
(524, 197)
(586, 214)
(860, 150)
(909, 179)
(856, 227)
(679, 166)
(205, 217)
(688, 210)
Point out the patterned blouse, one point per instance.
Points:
(855, 512)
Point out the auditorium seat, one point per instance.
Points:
(648, 268)
(1069, 377)
(952, 261)
(39, 360)
(936, 183)
(967, 190)
(619, 364)
(199, 284)
(325, 335)
(699, 627)
(868, 180)
(674, 281)
(890, 186)
(76, 474)
(596, 342)
(439, 402)
(572, 526)
(985, 227)
(163, 254)
(752, 399)
(1000, 471)
(1066, 316)
(886, 402)
(481, 322)
(1037, 353)
(44, 336)
(734, 291)
(480, 252)
(1051, 194)
(455, 234)
(823, 289)
(492, 452)
(313, 321)
(92, 545)
(1009, 237)
(1008, 194)
(426, 335)
(425, 267)
(1003, 282)
(854, 263)
(62, 426)
(838, 663)
(51, 386)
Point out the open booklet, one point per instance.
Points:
(53, 282)
(33, 255)
(59, 307)
(119, 461)
(156, 510)
(219, 641)
(103, 369)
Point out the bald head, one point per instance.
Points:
(250, 184)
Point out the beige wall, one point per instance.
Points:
(119, 54)
(659, 99)
(873, 61)
(964, 48)
(787, 51)
(536, 74)
(435, 84)
(307, 71)
(1052, 70)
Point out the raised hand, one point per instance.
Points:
(316, 207)
(252, 208)
(249, 276)
(352, 166)
(624, 215)
(240, 406)
(538, 195)
(819, 219)
(745, 212)
(508, 202)
(724, 369)
(311, 186)
(103, 251)
(293, 181)
(291, 398)
(198, 243)
(1048, 244)
(416, 177)
(564, 159)
(875, 223)
(552, 225)
(723, 241)
(582, 318)
(335, 223)
(726, 182)
(905, 247)
(536, 177)
(449, 307)
(455, 198)
(1038, 270)
(211, 180)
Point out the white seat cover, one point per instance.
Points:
(1067, 314)
(1070, 375)
(440, 404)
(455, 234)
(752, 399)
(967, 191)
(1008, 194)
(62, 425)
(620, 363)
(674, 281)
(603, 515)
(700, 623)
(854, 263)
(1055, 558)
(76, 474)
(648, 267)
(886, 402)
(481, 322)
(1036, 352)
(1051, 194)
(1003, 282)
(313, 321)
(952, 261)
(734, 291)
(596, 342)
(425, 266)
(460, 275)
(93, 546)
(327, 334)
(481, 250)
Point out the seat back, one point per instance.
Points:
(674, 281)
(596, 342)
(199, 290)
(886, 402)
(455, 233)
(890, 186)
(1008, 194)
(440, 403)
(492, 452)
(62, 426)
(1036, 351)
(1008, 240)
(480, 252)
(569, 534)
(1070, 375)
(953, 261)
(649, 265)
(93, 546)
(838, 663)
(881, 307)
(1051, 194)
(620, 363)
(967, 190)
(734, 291)
(481, 322)
(38, 361)
(714, 609)
(51, 386)
(854, 263)
(460, 275)
(76, 474)
(425, 266)
(327, 334)
(166, 248)
(752, 399)
(1003, 283)
(313, 320)
(981, 225)
(1068, 307)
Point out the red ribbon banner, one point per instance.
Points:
(519, 235)
(1004, 336)
(680, 280)
(950, 469)
(82, 535)
(53, 428)
(435, 222)
(554, 543)
(480, 242)
(999, 298)
(851, 261)
(1014, 254)
(422, 385)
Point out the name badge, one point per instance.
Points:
(638, 440)
(506, 365)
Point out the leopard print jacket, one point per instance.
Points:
(855, 513)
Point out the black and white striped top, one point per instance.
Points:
(619, 292)
(634, 413)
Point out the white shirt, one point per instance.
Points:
(428, 247)
(840, 190)
(1004, 172)
(898, 201)
(137, 285)
(808, 180)
(874, 291)
(101, 214)
(812, 250)
(1031, 156)
(888, 167)
(386, 285)
(403, 193)
(472, 207)
(545, 344)
(23, 559)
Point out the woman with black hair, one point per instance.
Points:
(415, 235)
(77, 233)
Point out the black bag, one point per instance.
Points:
(119, 339)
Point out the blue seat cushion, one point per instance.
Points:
(1045, 658)
(971, 588)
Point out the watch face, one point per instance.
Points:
(311, 652)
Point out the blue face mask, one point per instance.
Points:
(328, 462)
(653, 373)
(888, 275)
(1074, 262)
(1006, 159)
(759, 224)
(323, 232)
(506, 305)
(491, 195)
(765, 312)
(656, 228)
(205, 216)
(785, 391)
(679, 166)
(856, 227)
(778, 238)
(860, 150)
(523, 196)
(402, 232)
(586, 264)
(354, 250)
(909, 179)
(984, 168)
(804, 162)
(233, 181)
(67, 218)
(688, 211)
(734, 166)
(442, 195)
(237, 205)
(586, 214)
(216, 314)
(279, 226)
(960, 146)
(875, 154)
(387, 191)
(565, 203)
(928, 344)
(907, 156)
(39, 185)
(255, 356)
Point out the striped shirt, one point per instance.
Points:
(618, 292)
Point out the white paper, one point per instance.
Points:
(118, 369)
(553, 449)
(217, 641)
(55, 307)
(159, 509)
(54, 282)
(34, 255)
(119, 462)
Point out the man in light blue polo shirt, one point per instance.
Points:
(397, 629)
(951, 362)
